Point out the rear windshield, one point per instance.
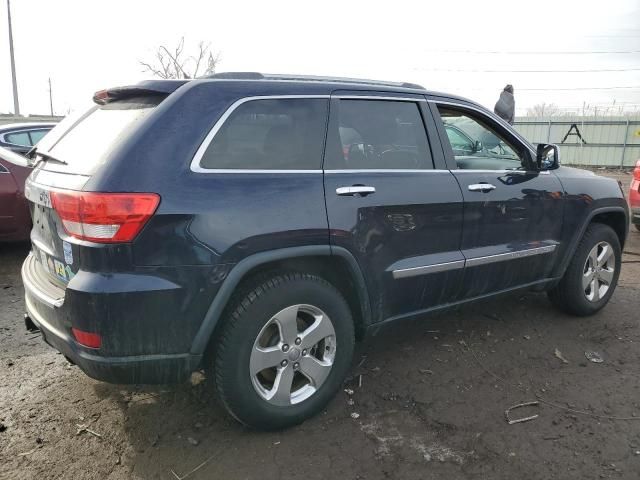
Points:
(86, 143)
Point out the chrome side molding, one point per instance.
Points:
(501, 257)
(471, 262)
(423, 270)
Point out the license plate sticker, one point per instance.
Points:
(60, 270)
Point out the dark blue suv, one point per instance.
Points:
(256, 225)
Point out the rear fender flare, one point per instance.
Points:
(240, 270)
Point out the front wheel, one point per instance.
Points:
(592, 274)
(284, 351)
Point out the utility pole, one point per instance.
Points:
(16, 104)
(50, 98)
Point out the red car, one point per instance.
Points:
(15, 221)
(634, 196)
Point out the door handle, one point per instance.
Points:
(354, 190)
(481, 187)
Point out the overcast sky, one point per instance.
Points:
(449, 46)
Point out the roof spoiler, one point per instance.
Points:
(143, 89)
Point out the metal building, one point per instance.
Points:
(612, 142)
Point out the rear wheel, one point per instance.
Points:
(284, 350)
(592, 274)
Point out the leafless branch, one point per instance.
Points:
(174, 63)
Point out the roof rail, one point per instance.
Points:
(309, 78)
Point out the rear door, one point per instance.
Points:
(388, 206)
(512, 212)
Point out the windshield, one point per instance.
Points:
(86, 139)
(13, 157)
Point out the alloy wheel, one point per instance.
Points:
(293, 355)
(598, 272)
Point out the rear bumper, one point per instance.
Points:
(48, 311)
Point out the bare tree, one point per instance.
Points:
(175, 63)
(544, 110)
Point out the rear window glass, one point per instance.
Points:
(274, 134)
(86, 144)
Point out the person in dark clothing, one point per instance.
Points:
(506, 105)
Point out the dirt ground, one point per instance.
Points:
(430, 403)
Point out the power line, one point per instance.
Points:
(631, 87)
(531, 71)
(502, 52)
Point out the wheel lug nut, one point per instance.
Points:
(284, 363)
(298, 341)
(296, 365)
(285, 348)
(304, 352)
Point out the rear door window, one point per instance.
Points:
(99, 130)
(379, 135)
(270, 134)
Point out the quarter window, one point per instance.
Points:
(477, 145)
(36, 135)
(379, 134)
(272, 134)
(19, 138)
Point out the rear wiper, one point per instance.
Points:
(47, 157)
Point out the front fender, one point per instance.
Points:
(574, 239)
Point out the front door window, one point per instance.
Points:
(476, 145)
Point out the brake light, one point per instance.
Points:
(636, 171)
(87, 339)
(101, 97)
(104, 217)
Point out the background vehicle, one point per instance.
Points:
(634, 196)
(256, 225)
(20, 137)
(15, 221)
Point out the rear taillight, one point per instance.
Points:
(104, 217)
(636, 171)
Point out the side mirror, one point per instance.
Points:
(547, 156)
(477, 147)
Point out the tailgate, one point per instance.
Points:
(58, 258)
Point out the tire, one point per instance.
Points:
(637, 225)
(252, 327)
(569, 295)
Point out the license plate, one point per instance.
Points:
(52, 265)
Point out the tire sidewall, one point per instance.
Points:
(234, 381)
